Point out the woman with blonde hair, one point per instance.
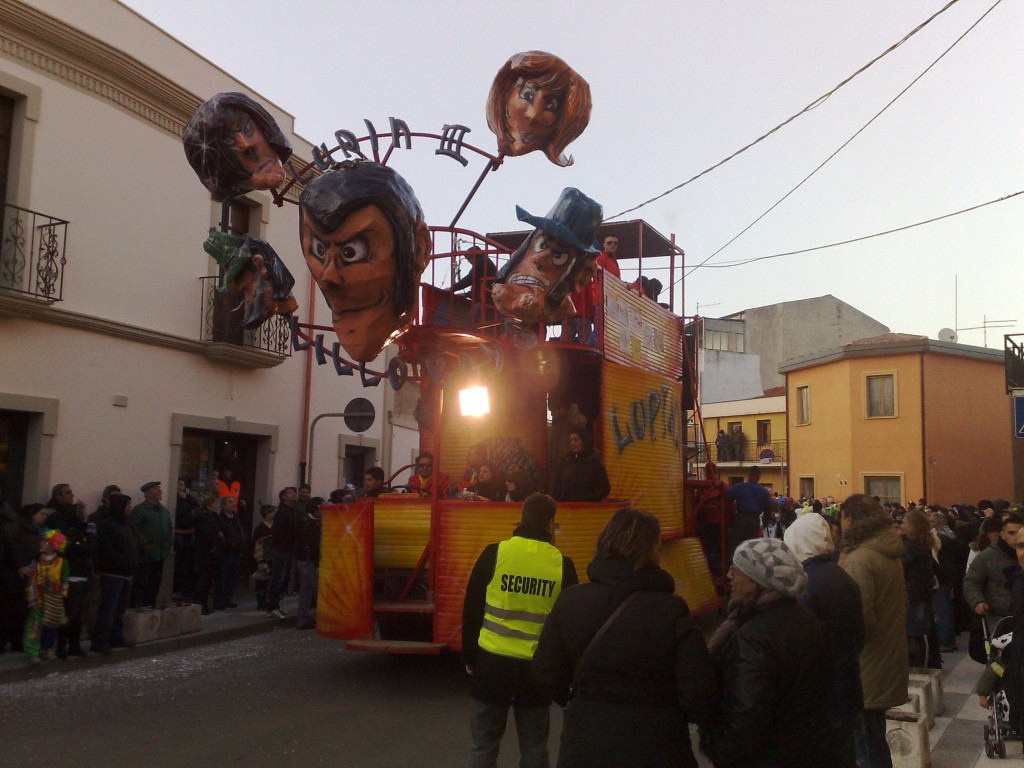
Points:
(626, 652)
(537, 101)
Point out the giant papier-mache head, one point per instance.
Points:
(234, 146)
(537, 101)
(554, 261)
(366, 245)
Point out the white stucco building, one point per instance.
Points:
(110, 371)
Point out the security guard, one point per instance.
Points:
(510, 594)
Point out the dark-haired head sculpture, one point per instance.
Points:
(554, 261)
(366, 245)
(537, 101)
(234, 146)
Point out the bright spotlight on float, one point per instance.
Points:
(474, 401)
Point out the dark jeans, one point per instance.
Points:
(841, 744)
(69, 636)
(279, 573)
(942, 608)
(205, 577)
(12, 610)
(227, 579)
(307, 591)
(487, 727)
(115, 593)
(147, 583)
(746, 525)
(869, 740)
(184, 568)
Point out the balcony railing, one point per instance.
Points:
(1013, 354)
(222, 317)
(32, 253)
(772, 452)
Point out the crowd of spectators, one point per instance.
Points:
(66, 573)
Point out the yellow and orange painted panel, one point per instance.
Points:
(465, 528)
(401, 530)
(684, 559)
(642, 444)
(345, 602)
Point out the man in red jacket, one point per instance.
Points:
(581, 328)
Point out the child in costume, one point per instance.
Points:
(46, 591)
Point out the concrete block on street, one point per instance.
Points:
(937, 687)
(190, 617)
(923, 685)
(170, 623)
(141, 626)
(907, 736)
(913, 706)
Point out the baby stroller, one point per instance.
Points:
(997, 730)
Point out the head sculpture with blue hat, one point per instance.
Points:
(554, 261)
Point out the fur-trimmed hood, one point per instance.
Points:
(876, 532)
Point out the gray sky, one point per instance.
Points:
(678, 86)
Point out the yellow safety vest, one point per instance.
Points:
(527, 579)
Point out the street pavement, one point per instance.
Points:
(252, 690)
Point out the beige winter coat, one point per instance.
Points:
(871, 555)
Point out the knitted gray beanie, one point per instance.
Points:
(770, 563)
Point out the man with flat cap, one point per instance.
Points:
(556, 260)
(155, 536)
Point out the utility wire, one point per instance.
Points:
(743, 262)
(841, 146)
(816, 103)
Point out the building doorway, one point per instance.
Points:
(204, 452)
(13, 452)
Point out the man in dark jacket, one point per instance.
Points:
(510, 593)
(307, 559)
(117, 559)
(22, 534)
(752, 502)
(155, 532)
(184, 537)
(952, 564)
(834, 598)
(78, 552)
(985, 583)
(232, 547)
(283, 548)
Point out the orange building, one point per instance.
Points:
(900, 417)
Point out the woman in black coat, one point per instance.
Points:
(774, 667)
(919, 573)
(834, 597)
(646, 677)
(581, 476)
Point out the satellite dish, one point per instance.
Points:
(947, 334)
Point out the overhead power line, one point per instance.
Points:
(817, 102)
(743, 262)
(841, 146)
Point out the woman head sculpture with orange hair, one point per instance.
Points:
(537, 101)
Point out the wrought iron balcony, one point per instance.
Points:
(773, 452)
(1013, 354)
(222, 316)
(32, 253)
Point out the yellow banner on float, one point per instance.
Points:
(642, 442)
